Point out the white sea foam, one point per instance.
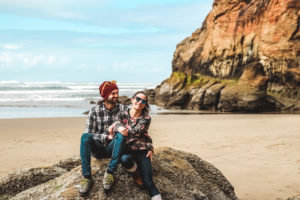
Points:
(57, 94)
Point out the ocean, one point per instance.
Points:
(55, 99)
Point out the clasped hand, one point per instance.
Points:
(123, 131)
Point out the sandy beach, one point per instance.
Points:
(258, 153)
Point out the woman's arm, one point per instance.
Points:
(142, 126)
(119, 124)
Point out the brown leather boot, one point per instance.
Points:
(137, 178)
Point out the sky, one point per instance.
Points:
(94, 40)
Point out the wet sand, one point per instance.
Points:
(258, 153)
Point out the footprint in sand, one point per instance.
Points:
(29, 141)
(277, 145)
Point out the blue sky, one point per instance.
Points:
(94, 40)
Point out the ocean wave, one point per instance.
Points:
(9, 82)
(46, 91)
(58, 94)
(42, 99)
(24, 87)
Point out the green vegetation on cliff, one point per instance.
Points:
(198, 80)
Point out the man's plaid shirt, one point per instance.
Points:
(99, 119)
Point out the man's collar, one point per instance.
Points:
(104, 108)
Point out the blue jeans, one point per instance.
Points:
(91, 147)
(144, 166)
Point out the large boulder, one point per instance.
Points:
(26, 178)
(23, 179)
(177, 174)
(170, 94)
(125, 100)
(294, 198)
(249, 94)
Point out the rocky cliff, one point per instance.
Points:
(177, 174)
(237, 35)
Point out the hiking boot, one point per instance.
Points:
(85, 185)
(137, 178)
(108, 181)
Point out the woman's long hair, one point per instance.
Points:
(145, 110)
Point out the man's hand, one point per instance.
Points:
(111, 133)
(150, 154)
(110, 136)
(123, 131)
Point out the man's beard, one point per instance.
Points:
(112, 100)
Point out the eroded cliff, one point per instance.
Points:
(235, 35)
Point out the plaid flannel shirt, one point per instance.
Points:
(99, 119)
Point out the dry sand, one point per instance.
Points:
(258, 154)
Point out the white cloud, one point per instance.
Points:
(29, 60)
(12, 46)
(5, 58)
(59, 35)
(66, 9)
(146, 16)
(51, 60)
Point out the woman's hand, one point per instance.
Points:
(123, 131)
(150, 154)
(110, 129)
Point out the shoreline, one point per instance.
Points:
(27, 112)
(257, 153)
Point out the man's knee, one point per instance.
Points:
(120, 137)
(126, 161)
(125, 158)
(86, 138)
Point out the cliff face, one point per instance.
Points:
(238, 32)
(235, 34)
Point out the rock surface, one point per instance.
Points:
(234, 35)
(178, 175)
(294, 198)
(249, 94)
(26, 178)
(124, 100)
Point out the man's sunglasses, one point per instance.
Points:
(138, 99)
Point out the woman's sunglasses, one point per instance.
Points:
(138, 99)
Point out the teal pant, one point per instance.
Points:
(91, 147)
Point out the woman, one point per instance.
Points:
(139, 150)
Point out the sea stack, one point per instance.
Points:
(261, 36)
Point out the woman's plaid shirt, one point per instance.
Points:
(99, 119)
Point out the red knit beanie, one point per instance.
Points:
(106, 88)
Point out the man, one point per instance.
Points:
(97, 139)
